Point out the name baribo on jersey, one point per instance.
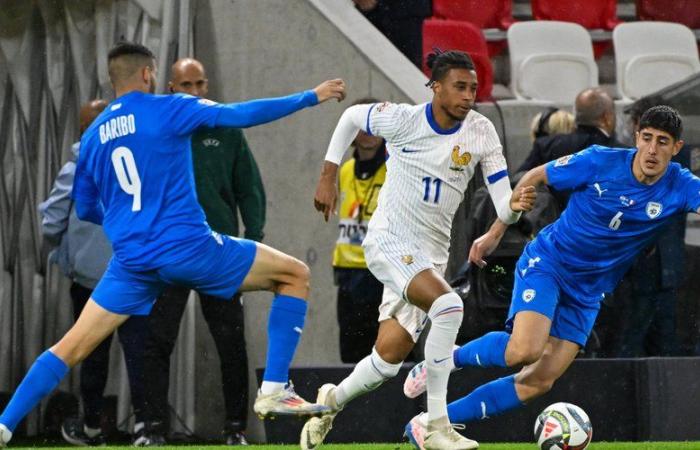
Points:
(117, 127)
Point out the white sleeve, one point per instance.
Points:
(495, 171)
(493, 164)
(501, 193)
(386, 120)
(353, 120)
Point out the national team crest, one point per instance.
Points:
(529, 295)
(654, 209)
(459, 161)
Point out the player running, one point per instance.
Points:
(621, 199)
(433, 151)
(134, 176)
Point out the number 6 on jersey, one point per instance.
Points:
(127, 175)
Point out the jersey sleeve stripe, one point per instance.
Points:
(367, 130)
(497, 176)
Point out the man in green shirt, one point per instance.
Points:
(228, 182)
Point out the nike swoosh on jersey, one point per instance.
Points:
(406, 150)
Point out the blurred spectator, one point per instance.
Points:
(550, 122)
(401, 21)
(228, 182)
(595, 124)
(82, 254)
(648, 293)
(359, 292)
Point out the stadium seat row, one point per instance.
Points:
(591, 14)
(554, 60)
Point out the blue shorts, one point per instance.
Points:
(538, 288)
(216, 268)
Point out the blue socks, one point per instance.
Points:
(487, 351)
(47, 371)
(284, 327)
(486, 401)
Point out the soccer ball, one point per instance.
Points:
(563, 426)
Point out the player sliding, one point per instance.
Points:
(134, 176)
(621, 199)
(434, 149)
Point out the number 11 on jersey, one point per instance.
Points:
(127, 175)
(428, 181)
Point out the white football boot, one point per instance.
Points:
(316, 429)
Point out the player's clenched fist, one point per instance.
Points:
(330, 89)
(523, 198)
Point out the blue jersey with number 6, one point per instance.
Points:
(610, 217)
(136, 158)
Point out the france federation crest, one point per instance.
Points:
(654, 209)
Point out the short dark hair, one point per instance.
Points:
(441, 62)
(663, 118)
(123, 48)
(125, 58)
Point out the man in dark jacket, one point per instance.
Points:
(228, 182)
(595, 124)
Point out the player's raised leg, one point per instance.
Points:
(430, 292)
(93, 326)
(288, 278)
(533, 305)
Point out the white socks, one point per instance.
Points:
(367, 376)
(271, 387)
(445, 317)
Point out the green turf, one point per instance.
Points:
(526, 446)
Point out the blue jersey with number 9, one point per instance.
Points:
(137, 160)
(610, 216)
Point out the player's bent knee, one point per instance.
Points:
(519, 354)
(385, 368)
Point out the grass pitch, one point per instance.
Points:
(525, 446)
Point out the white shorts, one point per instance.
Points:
(395, 262)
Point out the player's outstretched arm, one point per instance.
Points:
(258, 112)
(352, 121)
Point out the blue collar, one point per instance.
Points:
(434, 125)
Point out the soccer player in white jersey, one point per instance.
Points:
(433, 151)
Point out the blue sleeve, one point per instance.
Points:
(189, 113)
(55, 210)
(257, 112)
(692, 191)
(572, 171)
(86, 195)
(90, 212)
(185, 113)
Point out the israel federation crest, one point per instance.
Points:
(654, 209)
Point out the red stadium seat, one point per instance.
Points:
(686, 12)
(456, 35)
(591, 14)
(496, 14)
(489, 14)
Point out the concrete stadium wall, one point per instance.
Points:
(254, 49)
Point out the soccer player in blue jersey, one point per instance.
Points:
(621, 199)
(134, 176)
